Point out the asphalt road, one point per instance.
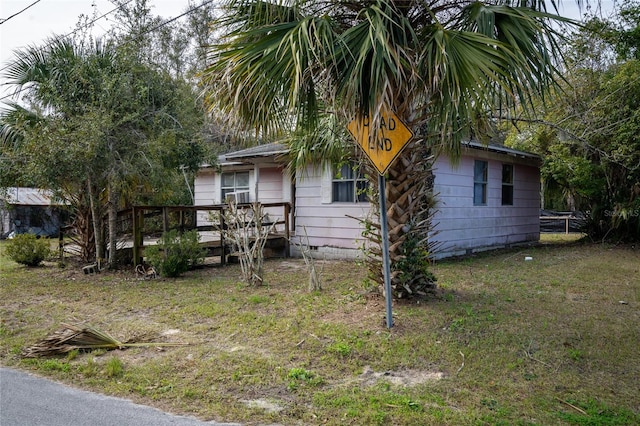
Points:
(26, 400)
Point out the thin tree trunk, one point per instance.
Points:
(112, 209)
(96, 219)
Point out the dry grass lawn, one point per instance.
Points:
(549, 341)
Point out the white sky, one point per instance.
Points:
(59, 17)
(49, 17)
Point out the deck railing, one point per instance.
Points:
(139, 222)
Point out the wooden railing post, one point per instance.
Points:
(287, 233)
(165, 219)
(137, 236)
(223, 257)
(61, 244)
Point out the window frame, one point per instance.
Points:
(353, 178)
(224, 190)
(507, 185)
(480, 182)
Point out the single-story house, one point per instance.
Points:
(489, 199)
(24, 210)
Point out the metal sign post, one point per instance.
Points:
(390, 139)
(384, 234)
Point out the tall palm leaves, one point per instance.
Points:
(54, 140)
(441, 65)
(279, 59)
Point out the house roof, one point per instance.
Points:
(266, 150)
(500, 149)
(275, 149)
(28, 196)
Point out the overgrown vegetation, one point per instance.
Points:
(175, 253)
(247, 229)
(27, 249)
(587, 134)
(546, 341)
(102, 124)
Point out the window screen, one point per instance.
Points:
(480, 179)
(349, 185)
(234, 182)
(507, 184)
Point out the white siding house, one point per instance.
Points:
(490, 199)
(510, 211)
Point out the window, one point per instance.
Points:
(480, 178)
(234, 182)
(349, 185)
(507, 184)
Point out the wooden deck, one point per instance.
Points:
(141, 226)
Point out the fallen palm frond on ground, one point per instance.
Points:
(85, 338)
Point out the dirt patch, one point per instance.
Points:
(291, 265)
(405, 378)
(263, 404)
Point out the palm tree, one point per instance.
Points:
(107, 125)
(59, 81)
(440, 65)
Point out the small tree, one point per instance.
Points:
(27, 249)
(305, 250)
(245, 228)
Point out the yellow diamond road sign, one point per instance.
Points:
(390, 138)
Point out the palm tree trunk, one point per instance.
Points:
(410, 207)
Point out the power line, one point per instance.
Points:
(177, 17)
(82, 27)
(2, 21)
(162, 24)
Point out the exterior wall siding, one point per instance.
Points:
(271, 189)
(326, 224)
(271, 185)
(461, 226)
(205, 188)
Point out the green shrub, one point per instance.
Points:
(28, 250)
(175, 254)
(413, 275)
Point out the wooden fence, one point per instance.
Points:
(546, 220)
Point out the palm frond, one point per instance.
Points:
(80, 337)
(528, 41)
(373, 60)
(440, 65)
(265, 72)
(328, 143)
(13, 121)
